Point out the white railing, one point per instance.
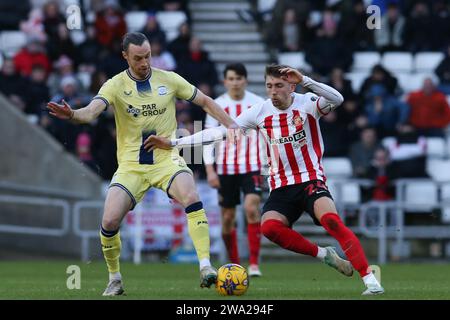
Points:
(38, 201)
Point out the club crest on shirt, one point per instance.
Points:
(162, 90)
(128, 93)
(297, 120)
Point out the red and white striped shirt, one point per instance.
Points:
(240, 158)
(294, 142)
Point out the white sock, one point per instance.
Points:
(204, 263)
(115, 276)
(321, 253)
(370, 279)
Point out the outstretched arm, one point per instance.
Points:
(83, 115)
(203, 137)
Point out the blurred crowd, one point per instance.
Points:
(52, 67)
(329, 32)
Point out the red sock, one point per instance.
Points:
(285, 237)
(230, 241)
(254, 241)
(348, 241)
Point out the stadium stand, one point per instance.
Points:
(240, 30)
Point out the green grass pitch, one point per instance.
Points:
(47, 280)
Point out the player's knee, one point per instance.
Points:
(110, 224)
(269, 228)
(189, 198)
(251, 210)
(228, 217)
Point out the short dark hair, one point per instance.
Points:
(136, 38)
(238, 67)
(273, 70)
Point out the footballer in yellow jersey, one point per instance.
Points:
(143, 99)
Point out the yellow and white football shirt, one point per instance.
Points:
(141, 108)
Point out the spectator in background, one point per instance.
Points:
(408, 153)
(379, 76)
(353, 29)
(419, 29)
(197, 68)
(104, 145)
(12, 84)
(381, 172)
(291, 31)
(110, 24)
(390, 36)
(430, 111)
(179, 47)
(362, 152)
(89, 50)
(97, 80)
(38, 93)
(162, 59)
(334, 136)
(327, 51)
(65, 131)
(441, 22)
(338, 81)
(34, 26)
(84, 150)
(63, 45)
(111, 61)
(52, 19)
(12, 12)
(352, 118)
(63, 67)
(385, 112)
(32, 54)
(443, 72)
(153, 31)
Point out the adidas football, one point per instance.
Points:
(232, 279)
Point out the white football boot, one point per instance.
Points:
(114, 288)
(333, 260)
(253, 271)
(208, 276)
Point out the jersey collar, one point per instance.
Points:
(139, 80)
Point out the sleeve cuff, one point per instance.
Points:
(103, 99)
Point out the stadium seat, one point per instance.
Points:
(412, 81)
(351, 193)
(337, 167)
(170, 21)
(439, 169)
(295, 60)
(136, 20)
(364, 61)
(445, 192)
(421, 195)
(388, 141)
(11, 42)
(357, 79)
(436, 147)
(398, 61)
(427, 61)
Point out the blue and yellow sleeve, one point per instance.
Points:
(107, 93)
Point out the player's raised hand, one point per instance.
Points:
(157, 142)
(291, 75)
(234, 134)
(61, 111)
